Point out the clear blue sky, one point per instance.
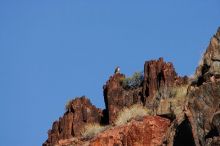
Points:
(54, 50)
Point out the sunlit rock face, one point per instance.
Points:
(158, 76)
(148, 131)
(210, 63)
(79, 112)
(182, 110)
(204, 97)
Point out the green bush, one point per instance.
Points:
(134, 81)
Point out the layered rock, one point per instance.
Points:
(209, 68)
(149, 131)
(159, 76)
(189, 110)
(80, 111)
(117, 98)
(204, 96)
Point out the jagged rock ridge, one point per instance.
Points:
(183, 111)
(79, 112)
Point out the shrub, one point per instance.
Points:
(68, 105)
(180, 91)
(134, 81)
(172, 92)
(90, 130)
(135, 111)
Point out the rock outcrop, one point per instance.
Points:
(117, 98)
(149, 131)
(159, 79)
(79, 112)
(184, 111)
(158, 76)
(209, 67)
(204, 96)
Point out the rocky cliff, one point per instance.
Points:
(155, 108)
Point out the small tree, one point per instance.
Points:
(68, 105)
(134, 81)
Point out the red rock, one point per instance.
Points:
(195, 122)
(116, 97)
(159, 74)
(150, 131)
(80, 112)
(159, 79)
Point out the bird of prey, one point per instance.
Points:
(117, 70)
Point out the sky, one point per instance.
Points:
(54, 50)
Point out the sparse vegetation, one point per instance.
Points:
(180, 91)
(173, 102)
(134, 81)
(172, 92)
(135, 111)
(90, 130)
(68, 105)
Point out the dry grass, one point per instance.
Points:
(175, 102)
(68, 105)
(134, 111)
(172, 92)
(90, 130)
(180, 91)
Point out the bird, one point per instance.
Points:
(117, 70)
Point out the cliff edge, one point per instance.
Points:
(153, 108)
